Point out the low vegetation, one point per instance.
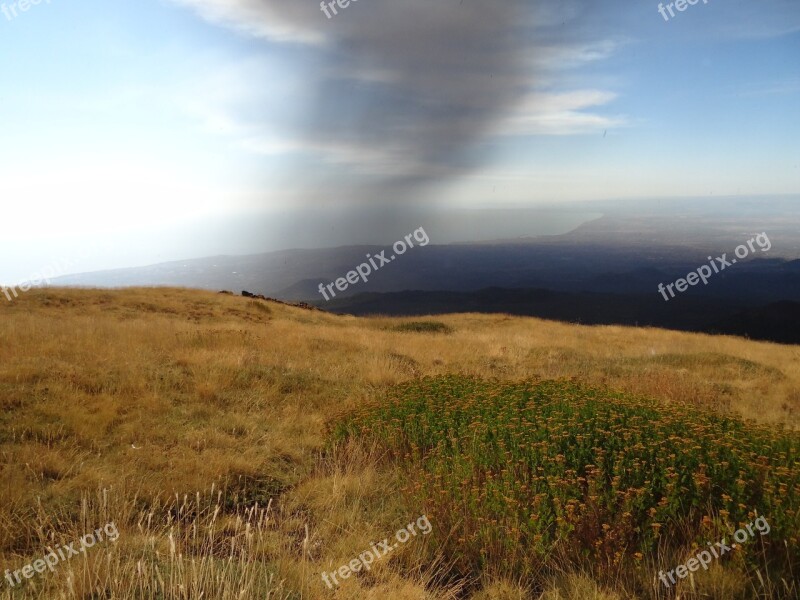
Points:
(200, 424)
(525, 478)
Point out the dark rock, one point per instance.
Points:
(303, 305)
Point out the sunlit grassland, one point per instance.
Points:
(154, 395)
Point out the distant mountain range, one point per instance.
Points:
(605, 271)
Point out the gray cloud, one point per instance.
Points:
(407, 89)
(422, 80)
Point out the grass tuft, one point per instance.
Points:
(423, 327)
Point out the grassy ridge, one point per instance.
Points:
(519, 473)
(122, 405)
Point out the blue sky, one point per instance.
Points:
(139, 126)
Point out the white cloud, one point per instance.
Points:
(282, 22)
(563, 56)
(559, 114)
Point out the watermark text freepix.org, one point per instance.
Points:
(328, 6)
(66, 552)
(365, 559)
(36, 279)
(718, 264)
(10, 10)
(364, 269)
(704, 557)
(680, 5)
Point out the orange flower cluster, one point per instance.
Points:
(520, 472)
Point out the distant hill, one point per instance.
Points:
(778, 322)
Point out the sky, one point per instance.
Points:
(135, 133)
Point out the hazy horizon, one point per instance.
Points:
(185, 128)
(265, 233)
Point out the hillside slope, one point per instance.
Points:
(202, 420)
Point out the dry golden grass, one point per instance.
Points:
(153, 393)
